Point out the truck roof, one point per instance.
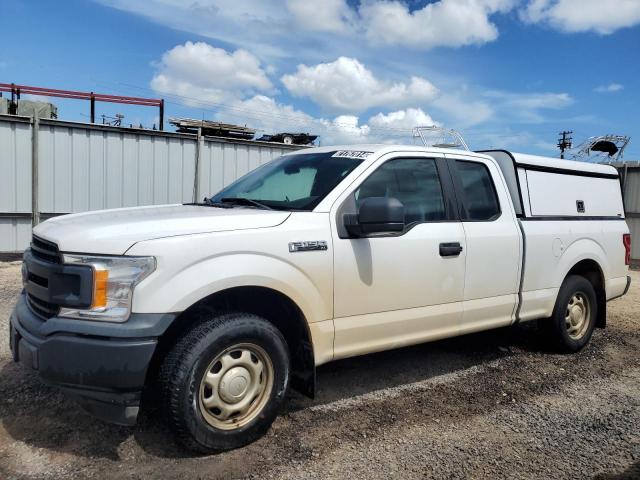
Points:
(519, 158)
(381, 148)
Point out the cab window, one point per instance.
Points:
(413, 181)
(480, 198)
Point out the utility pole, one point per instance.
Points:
(564, 141)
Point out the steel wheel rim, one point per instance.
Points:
(577, 316)
(236, 386)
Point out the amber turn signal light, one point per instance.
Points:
(100, 279)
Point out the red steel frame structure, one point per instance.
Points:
(17, 90)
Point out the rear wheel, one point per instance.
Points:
(224, 382)
(574, 315)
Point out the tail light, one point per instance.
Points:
(626, 241)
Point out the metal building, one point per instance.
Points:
(83, 167)
(630, 177)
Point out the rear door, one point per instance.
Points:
(493, 243)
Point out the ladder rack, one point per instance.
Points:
(432, 136)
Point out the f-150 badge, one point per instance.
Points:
(307, 246)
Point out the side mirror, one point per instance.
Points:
(376, 215)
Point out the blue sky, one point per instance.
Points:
(506, 73)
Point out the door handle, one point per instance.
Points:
(450, 249)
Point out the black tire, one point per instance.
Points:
(556, 328)
(186, 364)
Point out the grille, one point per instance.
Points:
(45, 250)
(41, 308)
(48, 252)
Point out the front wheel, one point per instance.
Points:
(225, 381)
(574, 315)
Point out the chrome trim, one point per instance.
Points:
(307, 246)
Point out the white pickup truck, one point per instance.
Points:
(321, 254)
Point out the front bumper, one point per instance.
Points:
(103, 365)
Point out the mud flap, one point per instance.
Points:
(303, 376)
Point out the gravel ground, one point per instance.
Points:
(491, 405)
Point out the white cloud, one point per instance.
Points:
(330, 16)
(264, 113)
(268, 116)
(402, 120)
(344, 129)
(527, 107)
(393, 127)
(611, 88)
(280, 29)
(36, 98)
(276, 29)
(532, 101)
(202, 73)
(256, 25)
(601, 16)
(347, 85)
(446, 23)
(509, 139)
(464, 110)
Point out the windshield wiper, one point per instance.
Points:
(244, 201)
(208, 203)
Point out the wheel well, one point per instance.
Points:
(590, 269)
(269, 304)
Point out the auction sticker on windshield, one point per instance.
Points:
(351, 154)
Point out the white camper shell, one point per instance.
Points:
(548, 187)
(568, 212)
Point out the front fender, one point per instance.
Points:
(175, 291)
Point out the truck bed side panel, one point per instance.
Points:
(555, 246)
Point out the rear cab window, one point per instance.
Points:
(479, 197)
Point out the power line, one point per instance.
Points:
(295, 120)
(292, 119)
(262, 114)
(564, 142)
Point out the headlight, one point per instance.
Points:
(114, 279)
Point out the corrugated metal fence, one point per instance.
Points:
(90, 167)
(85, 167)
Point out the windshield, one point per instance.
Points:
(291, 182)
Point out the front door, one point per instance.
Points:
(399, 289)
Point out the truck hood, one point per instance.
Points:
(113, 232)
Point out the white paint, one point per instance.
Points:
(557, 194)
(368, 294)
(114, 231)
